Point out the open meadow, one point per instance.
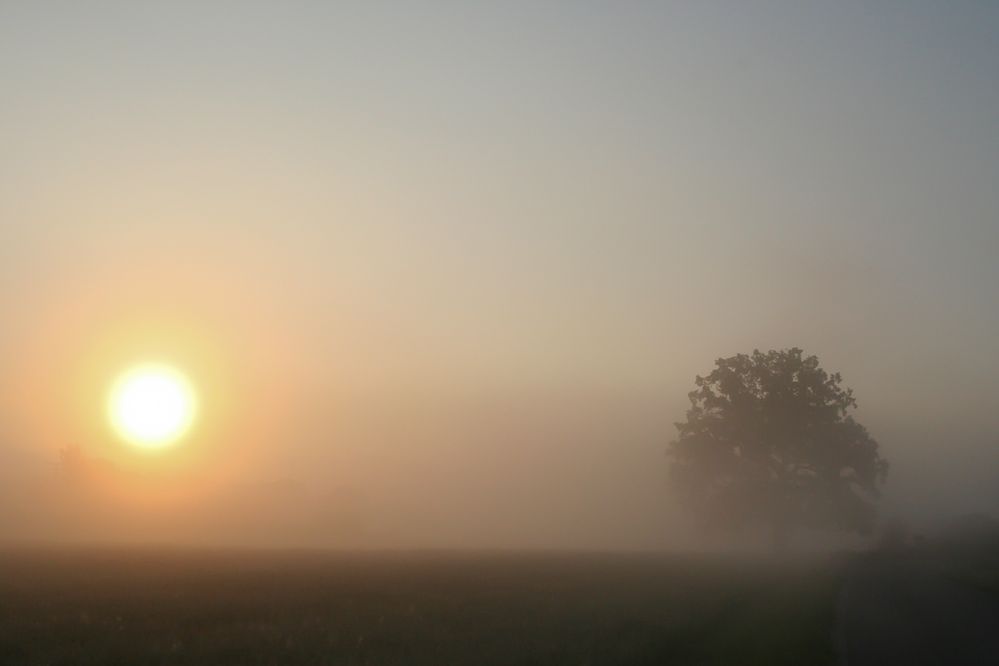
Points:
(146, 606)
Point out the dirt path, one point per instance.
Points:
(906, 610)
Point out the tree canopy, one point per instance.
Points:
(768, 441)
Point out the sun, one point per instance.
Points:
(152, 405)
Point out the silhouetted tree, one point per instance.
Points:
(768, 441)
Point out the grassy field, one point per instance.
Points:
(145, 606)
(974, 564)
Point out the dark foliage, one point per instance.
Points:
(768, 441)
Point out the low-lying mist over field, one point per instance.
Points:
(528, 485)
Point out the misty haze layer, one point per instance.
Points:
(445, 275)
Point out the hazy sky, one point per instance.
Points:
(483, 250)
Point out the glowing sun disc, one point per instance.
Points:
(152, 405)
